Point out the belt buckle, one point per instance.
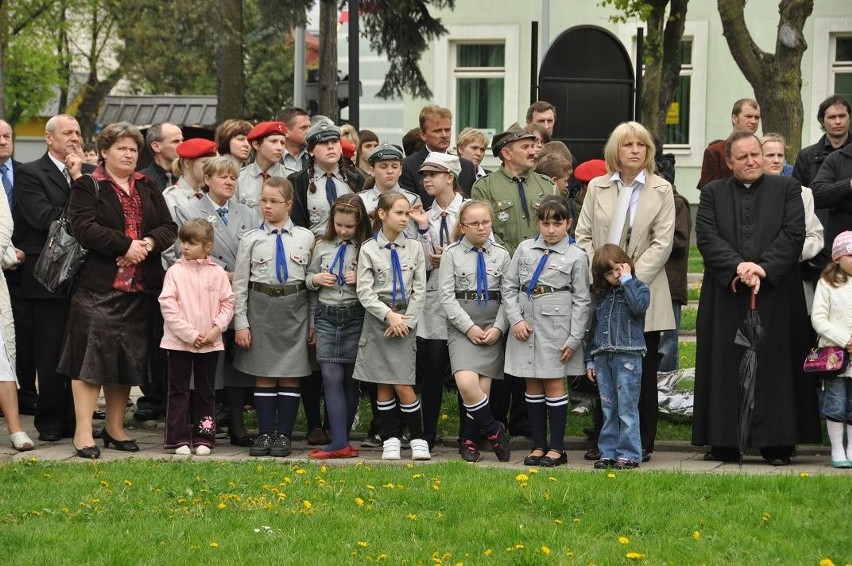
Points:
(278, 291)
(538, 290)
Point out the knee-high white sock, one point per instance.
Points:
(835, 435)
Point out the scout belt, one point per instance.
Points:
(277, 291)
(539, 290)
(473, 295)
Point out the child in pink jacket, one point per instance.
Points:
(197, 304)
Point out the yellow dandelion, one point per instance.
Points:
(359, 502)
(804, 475)
(306, 504)
(576, 520)
(417, 476)
(522, 477)
(382, 556)
(323, 468)
(439, 515)
(545, 549)
(300, 471)
(412, 516)
(128, 483)
(634, 556)
(105, 484)
(214, 544)
(826, 562)
(47, 475)
(221, 506)
(610, 475)
(696, 535)
(409, 466)
(362, 544)
(258, 468)
(487, 552)
(623, 540)
(551, 478)
(388, 486)
(557, 521)
(444, 417)
(532, 470)
(371, 486)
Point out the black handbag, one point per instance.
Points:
(62, 256)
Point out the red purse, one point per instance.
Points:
(830, 360)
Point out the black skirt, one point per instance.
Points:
(107, 337)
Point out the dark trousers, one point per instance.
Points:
(155, 391)
(509, 406)
(25, 348)
(648, 404)
(55, 410)
(200, 401)
(433, 373)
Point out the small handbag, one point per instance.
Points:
(62, 256)
(829, 360)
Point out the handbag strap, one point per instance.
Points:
(97, 195)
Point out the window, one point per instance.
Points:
(841, 69)
(480, 80)
(677, 118)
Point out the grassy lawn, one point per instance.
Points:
(688, 317)
(154, 513)
(695, 263)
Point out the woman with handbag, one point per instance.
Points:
(832, 321)
(121, 218)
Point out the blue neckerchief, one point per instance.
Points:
(537, 273)
(481, 277)
(444, 232)
(330, 189)
(280, 254)
(396, 267)
(339, 259)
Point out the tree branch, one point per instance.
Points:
(751, 60)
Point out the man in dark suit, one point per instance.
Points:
(162, 140)
(745, 116)
(41, 191)
(25, 349)
(435, 131)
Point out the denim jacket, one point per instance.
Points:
(619, 322)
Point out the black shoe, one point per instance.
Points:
(779, 461)
(89, 452)
(550, 462)
(280, 446)
(50, 436)
(592, 454)
(245, 441)
(625, 464)
(500, 444)
(262, 444)
(722, 455)
(122, 445)
(99, 415)
(604, 464)
(469, 452)
(27, 408)
(146, 414)
(532, 460)
(646, 455)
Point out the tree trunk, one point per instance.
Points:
(92, 97)
(230, 74)
(775, 77)
(328, 60)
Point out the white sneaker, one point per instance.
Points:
(202, 450)
(390, 449)
(420, 449)
(21, 441)
(183, 450)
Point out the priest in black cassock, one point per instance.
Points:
(750, 230)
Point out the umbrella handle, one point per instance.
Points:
(752, 305)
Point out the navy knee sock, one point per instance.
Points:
(537, 414)
(557, 414)
(412, 416)
(266, 406)
(387, 419)
(480, 412)
(288, 407)
(335, 404)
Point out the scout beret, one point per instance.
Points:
(588, 170)
(514, 133)
(442, 163)
(385, 152)
(195, 148)
(267, 129)
(322, 131)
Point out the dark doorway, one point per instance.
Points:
(587, 75)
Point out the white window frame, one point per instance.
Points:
(826, 29)
(444, 90)
(692, 154)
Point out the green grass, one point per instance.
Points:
(688, 316)
(153, 513)
(695, 264)
(693, 292)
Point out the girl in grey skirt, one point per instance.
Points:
(338, 318)
(391, 285)
(271, 315)
(546, 294)
(471, 272)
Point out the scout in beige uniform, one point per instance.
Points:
(391, 284)
(386, 163)
(267, 140)
(546, 294)
(472, 270)
(271, 316)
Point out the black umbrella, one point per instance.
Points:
(749, 335)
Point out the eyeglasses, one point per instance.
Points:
(482, 224)
(272, 201)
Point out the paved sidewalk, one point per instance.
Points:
(669, 456)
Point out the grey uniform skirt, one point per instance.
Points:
(466, 356)
(279, 336)
(382, 359)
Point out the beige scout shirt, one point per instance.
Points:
(250, 183)
(323, 256)
(375, 276)
(256, 262)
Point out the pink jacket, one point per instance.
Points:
(196, 295)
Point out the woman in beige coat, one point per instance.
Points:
(633, 208)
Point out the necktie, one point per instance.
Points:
(522, 195)
(537, 273)
(445, 230)
(280, 257)
(397, 281)
(338, 262)
(169, 180)
(264, 175)
(7, 184)
(67, 175)
(330, 189)
(223, 214)
(481, 277)
(199, 194)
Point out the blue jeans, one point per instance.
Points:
(669, 343)
(619, 377)
(835, 399)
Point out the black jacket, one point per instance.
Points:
(810, 159)
(301, 180)
(833, 190)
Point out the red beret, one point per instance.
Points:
(267, 129)
(347, 148)
(588, 170)
(195, 148)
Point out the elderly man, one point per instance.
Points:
(162, 140)
(745, 116)
(435, 130)
(750, 230)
